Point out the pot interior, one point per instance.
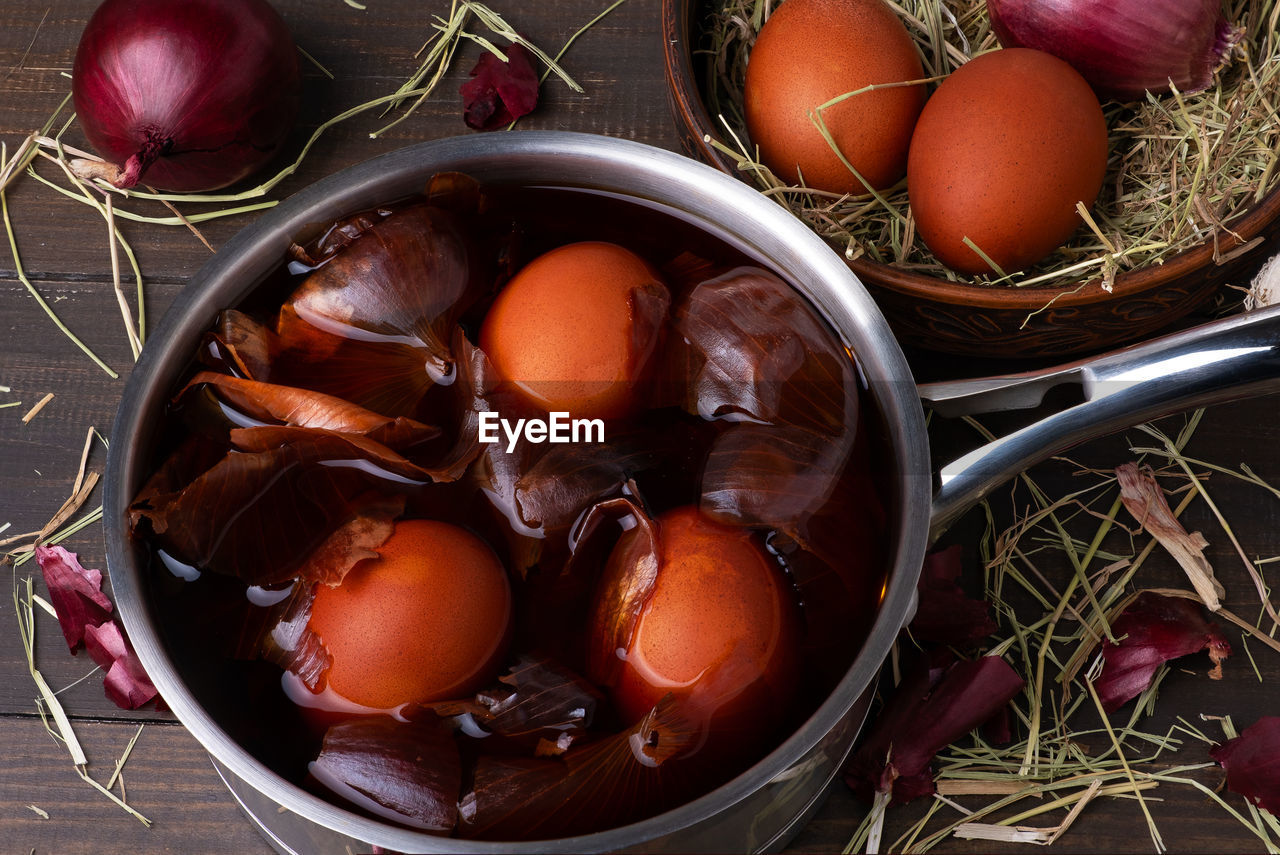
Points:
(791, 778)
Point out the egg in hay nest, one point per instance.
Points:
(1187, 205)
(837, 68)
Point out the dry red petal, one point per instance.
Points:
(126, 683)
(500, 92)
(938, 701)
(75, 592)
(945, 613)
(1252, 763)
(1151, 631)
(84, 613)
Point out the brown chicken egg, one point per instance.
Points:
(718, 629)
(574, 329)
(1005, 149)
(811, 51)
(426, 620)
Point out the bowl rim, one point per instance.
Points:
(232, 273)
(691, 112)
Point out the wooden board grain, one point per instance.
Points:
(168, 778)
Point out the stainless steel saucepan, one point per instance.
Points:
(762, 808)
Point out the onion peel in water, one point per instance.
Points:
(240, 346)
(226, 519)
(757, 352)
(794, 459)
(1124, 48)
(351, 390)
(552, 492)
(337, 237)
(409, 772)
(1252, 763)
(188, 96)
(282, 634)
(297, 354)
(761, 359)
(558, 581)
(368, 527)
(405, 281)
(547, 490)
(375, 321)
(622, 595)
(308, 409)
(532, 798)
(538, 703)
(342, 445)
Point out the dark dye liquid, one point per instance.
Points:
(203, 615)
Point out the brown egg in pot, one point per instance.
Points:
(426, 620)
(575, 329)
(716, 627)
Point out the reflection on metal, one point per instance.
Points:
(1182, 363)
(1213, 363)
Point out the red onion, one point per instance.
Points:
(193, 94)
(1124, 48)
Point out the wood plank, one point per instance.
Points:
(168, 779)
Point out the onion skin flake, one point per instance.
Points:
(1152, 630)
(938, 701)
(76, 593)
(1252, 763)
(84, 613)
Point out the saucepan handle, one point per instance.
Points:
(1220, 361)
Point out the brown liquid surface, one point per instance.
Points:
(200, 619)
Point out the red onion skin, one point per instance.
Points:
(1124, 48)
(186, 95)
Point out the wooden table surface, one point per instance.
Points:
(44, 805)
